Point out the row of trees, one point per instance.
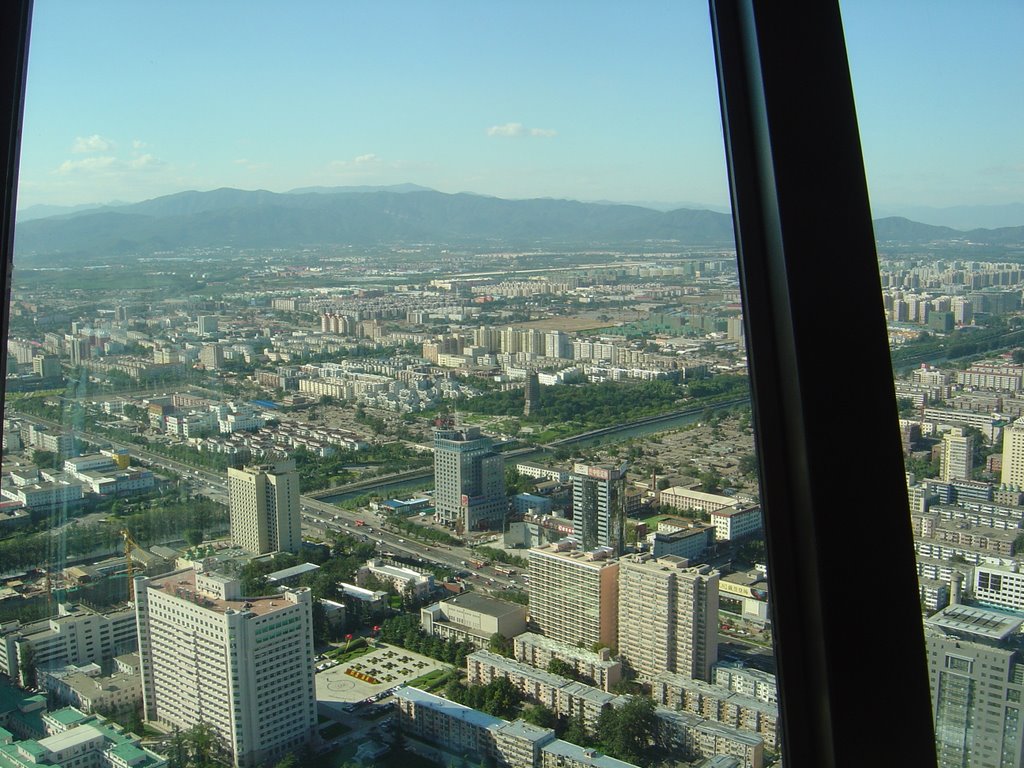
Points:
(404, 630)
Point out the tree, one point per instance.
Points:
(539, 715)
(748, 464)
(576, 731)
(562, 668)
(44, 459)
(193, 537)
(502, 645)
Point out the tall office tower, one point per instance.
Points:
(207, 324)
(684, 639)
(531, 391)
(242, 665)
(574, 595)
(957, 455)
(557, 344)
(1013, 454)
(78, 350)
(976, 672)
(46, 366)
(599, 505)
(264, 508)
(212, 356)
(469, 479)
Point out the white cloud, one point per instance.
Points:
(94, 143)
(145, 161)
(363, 159)
(138, 144)
(87, 164)
(508, 129)
(516, 130)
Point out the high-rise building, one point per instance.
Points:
(46, 366)
(574, 594)
(684, 639)
(212, 356)
(957, 455)
(1013, 454)
(531, 392)
(599, 505)
(206, 324)
(977, 685)
(242, 665)
(469, 480)
(264, 508)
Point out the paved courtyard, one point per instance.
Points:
(371, 674)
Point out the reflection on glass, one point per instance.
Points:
(359, 469)
(950, 266)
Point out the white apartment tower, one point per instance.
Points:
(469, 479)
(668, 616)
(1013, 454)
(244, 666)
(264, 508)
(957, 455)
(574, 594)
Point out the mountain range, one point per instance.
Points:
(367, 216)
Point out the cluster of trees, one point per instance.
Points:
(490, 553)
(721, 387)
(161, 521)
(499, 697)
(417, 531)
(316, 473)
(629, 732)
(592, 405)
(405, 630)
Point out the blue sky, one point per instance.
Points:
(586, 100)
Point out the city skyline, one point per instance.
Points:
(522, 102)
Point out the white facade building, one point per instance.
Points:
(242, 665)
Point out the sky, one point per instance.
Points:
(581, 99)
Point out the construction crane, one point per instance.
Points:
(129, 545)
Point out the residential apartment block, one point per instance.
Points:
(684, 600)
(574, 594)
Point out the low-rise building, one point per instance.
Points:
(732, 524)
(77, 635)
(76, 740)
(473, 618)
(538, 651)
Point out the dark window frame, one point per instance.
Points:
(849, 641)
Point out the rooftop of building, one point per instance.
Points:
(488, 606)
(973, 621)
(182, 585)
(584, 755)
(563, 650)
(598, 558)
(295, 570)
(517, 667)
(520, 729)
(448, 708)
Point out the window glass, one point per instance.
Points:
(938, 97)
(416, 327)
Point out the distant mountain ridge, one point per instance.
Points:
(367, 216)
